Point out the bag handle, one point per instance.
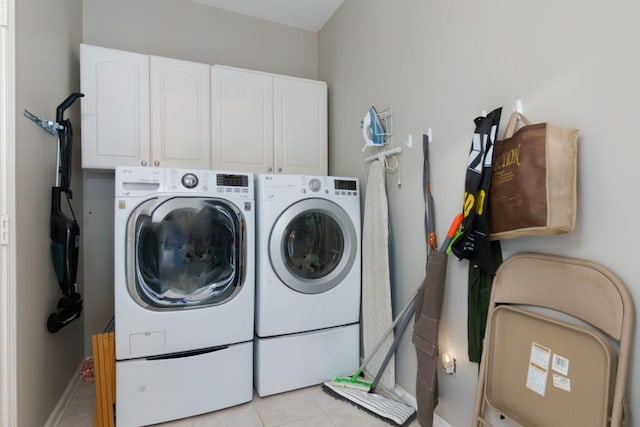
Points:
(513, 121)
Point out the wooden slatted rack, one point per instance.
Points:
(105, 378)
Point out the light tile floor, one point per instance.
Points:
(308, 407)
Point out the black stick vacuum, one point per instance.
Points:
(64, 230)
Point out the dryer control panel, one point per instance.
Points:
(345, 187)
(296, 186)
(329, 186)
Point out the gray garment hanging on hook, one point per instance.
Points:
(428, 308)
(425, 335)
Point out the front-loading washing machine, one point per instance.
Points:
(308, 280)
(184, 292)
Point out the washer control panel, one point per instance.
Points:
(138, 181)
(315, 185)
(189, 180)
(233, 183)
(180, 180)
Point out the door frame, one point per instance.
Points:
(8, 382)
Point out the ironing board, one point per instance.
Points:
(548, 357)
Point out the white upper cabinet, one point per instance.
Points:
(180, 114)
(144, 111)
(141, 110)
(266, 123)
(115, 108)
(242, 137)
(300, 126)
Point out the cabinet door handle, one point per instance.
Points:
(143, 163)
(156, 163)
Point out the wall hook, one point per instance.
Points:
(518, 106)
(409, 141)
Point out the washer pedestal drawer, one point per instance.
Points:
(154, 390)
(288, 362)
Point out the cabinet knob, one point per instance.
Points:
(143, 163)
(279, 169)
(270, 170)
(156, 163)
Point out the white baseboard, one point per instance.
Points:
(410, 400)
(56, 415)
(440, 422)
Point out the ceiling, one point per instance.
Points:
(308, 15)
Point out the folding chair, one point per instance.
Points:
(557, 345)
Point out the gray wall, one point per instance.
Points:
(438, 65)
(47, 38)
(177, 29)
(187, 30)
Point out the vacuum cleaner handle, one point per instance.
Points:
(66, 104)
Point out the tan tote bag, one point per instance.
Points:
(533, 184)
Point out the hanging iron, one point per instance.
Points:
(373, 130)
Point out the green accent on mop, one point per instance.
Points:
(355, 381)
(382, 407)
(360, 393)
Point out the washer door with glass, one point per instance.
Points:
(312, 246)
(185, 253)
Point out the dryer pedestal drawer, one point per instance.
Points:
(158, 390)
(294, 361)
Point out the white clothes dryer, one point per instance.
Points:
(184, 292)
(308, 280)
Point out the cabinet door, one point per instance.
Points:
(300, 126)
(242, 124)
(115, 108)
(180, 114)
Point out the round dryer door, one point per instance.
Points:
(185, 252)
(313, 245)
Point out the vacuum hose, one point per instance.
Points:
(65, 244)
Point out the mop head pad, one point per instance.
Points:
(350, 382)
(389, 410)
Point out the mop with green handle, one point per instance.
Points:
(355, 381)
(357, 390)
